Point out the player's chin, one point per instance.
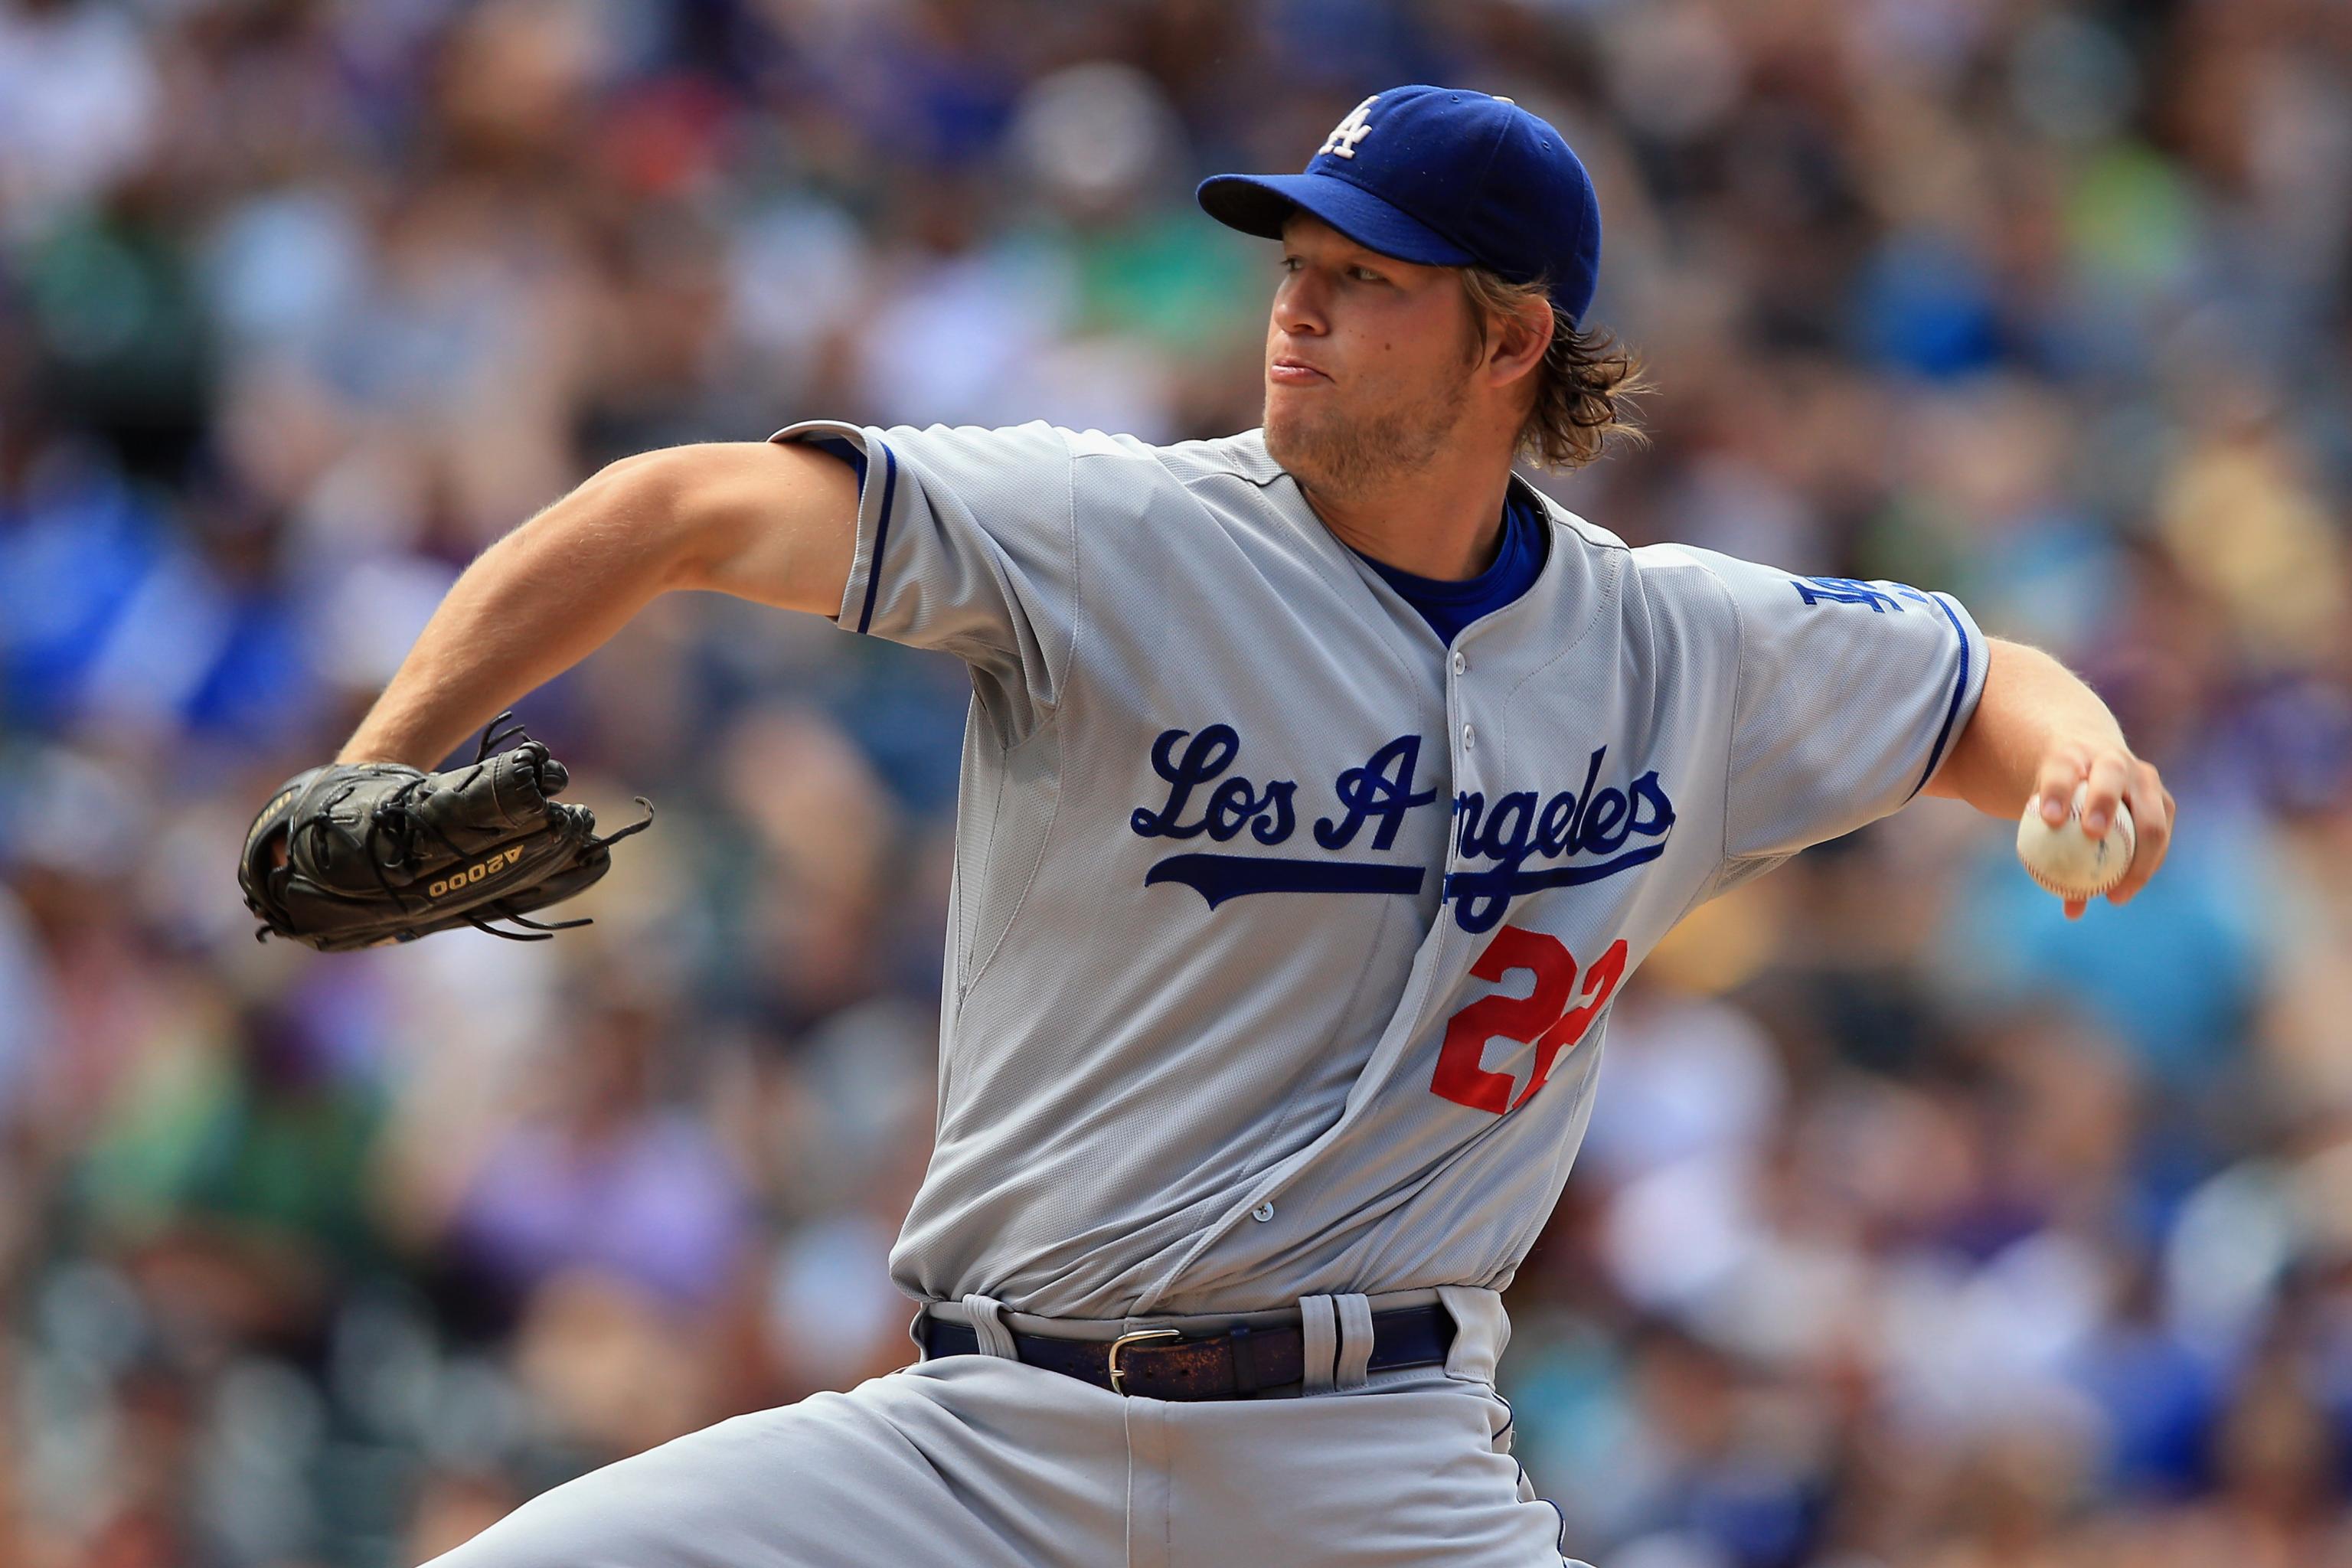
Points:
(1296, 404)
(1296, 421)
(1289, 438)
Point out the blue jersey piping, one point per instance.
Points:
(1959, 689)
(882, 536)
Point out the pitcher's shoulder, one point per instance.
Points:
(1651, 584)
(1687, 586)
(1242, 456)
(1586, 547)
(1588, 537)
(1673, 571)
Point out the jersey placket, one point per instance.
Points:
(1462, 749)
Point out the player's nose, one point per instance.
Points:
(1298, 307)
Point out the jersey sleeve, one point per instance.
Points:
(967, 541)
(1847, 696)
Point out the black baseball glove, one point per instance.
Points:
(355, 855)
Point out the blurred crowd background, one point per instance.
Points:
(1916, 1226)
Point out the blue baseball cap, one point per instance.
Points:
(1443, 176)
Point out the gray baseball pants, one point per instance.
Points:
(982, 1462)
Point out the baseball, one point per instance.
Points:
(2067, 860)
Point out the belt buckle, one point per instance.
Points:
(1118, 1377)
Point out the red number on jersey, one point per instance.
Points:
(1600, 985)
(1459, 1077)
(1542, 1017)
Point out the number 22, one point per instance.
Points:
(1543, 1016)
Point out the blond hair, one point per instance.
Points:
(1583, 388)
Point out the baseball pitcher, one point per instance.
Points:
(1322, 786)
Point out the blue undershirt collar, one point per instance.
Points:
(1450, 606)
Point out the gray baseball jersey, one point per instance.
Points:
(1282, 935)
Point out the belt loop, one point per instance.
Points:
(1319, 1325)
(1481, 1329)
(1352, 1367)
(994, 1338)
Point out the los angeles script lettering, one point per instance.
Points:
(1592, 828)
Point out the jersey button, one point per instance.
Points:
(1461, 662)
(1263, 1213)
(1469, 737)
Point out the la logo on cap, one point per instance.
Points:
(1341, 142)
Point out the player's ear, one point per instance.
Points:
(1517, 339)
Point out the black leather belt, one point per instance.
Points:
(1242, 1362)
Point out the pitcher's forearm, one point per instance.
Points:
(530, 607)
(2032, 704)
